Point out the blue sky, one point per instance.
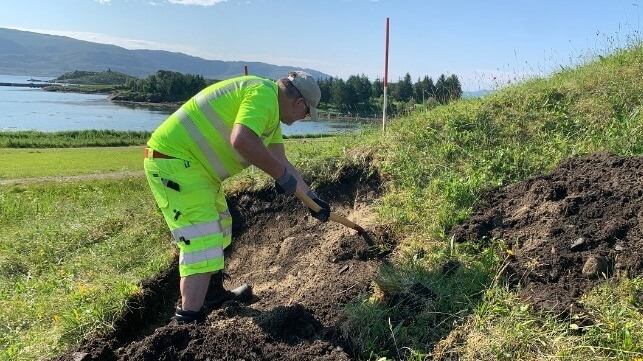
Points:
(485, 43)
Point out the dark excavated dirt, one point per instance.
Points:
(302, 272)
(571, 229)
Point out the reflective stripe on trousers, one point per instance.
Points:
(203, 229)
(200, 256)
(192, 231)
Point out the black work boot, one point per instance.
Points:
(217, 294)
(187, 316)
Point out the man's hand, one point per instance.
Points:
(324, 212)
(287, 184)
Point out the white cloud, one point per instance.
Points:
(204, 3)
(103, 2)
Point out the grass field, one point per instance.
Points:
(72, 254)
(16, 163)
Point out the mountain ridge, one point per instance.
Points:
(36, 54)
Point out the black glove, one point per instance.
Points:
(287, 184)
(324, 212)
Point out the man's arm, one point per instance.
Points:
(274, 162)
(279, 151)
(250, 146)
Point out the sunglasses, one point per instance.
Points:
(298, 95)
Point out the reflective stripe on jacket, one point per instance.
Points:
(200, 130)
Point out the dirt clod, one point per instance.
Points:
(595, 266)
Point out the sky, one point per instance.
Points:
(486, 44)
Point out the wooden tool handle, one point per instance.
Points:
(333, 217)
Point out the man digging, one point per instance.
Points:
(223, 129)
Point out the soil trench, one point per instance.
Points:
(302, 272)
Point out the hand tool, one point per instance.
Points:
(333, 217)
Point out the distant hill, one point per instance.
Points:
(28, 53)
(476, 94)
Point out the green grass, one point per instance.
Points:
(503, 327)
(71, 255)
(18, 163)
(36, 163)
(74, 138)
(618, 330)
(89, 138)
(394, 322)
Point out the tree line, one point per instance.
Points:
(359, 94)
(356, 95)
(164, 86)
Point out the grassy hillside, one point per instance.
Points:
(440, 162)
(450, 154)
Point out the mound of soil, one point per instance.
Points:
(302, 272)
(571, 229)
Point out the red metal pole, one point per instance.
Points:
(385, 80)
(386, 56)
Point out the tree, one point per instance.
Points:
(339, 94)
(377, 88)
(359, 92)
(404, 89)
(325, 86)
(453, 87)
(351, 96)
(169, 86)
(354, 95)
(149, 85)
(393, 91)
(423, 90)
(441, 91)
(418, 92)
(429, 87)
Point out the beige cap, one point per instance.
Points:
(307, 86)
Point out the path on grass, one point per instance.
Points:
(71, 178)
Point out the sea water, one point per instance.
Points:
(24, 108)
